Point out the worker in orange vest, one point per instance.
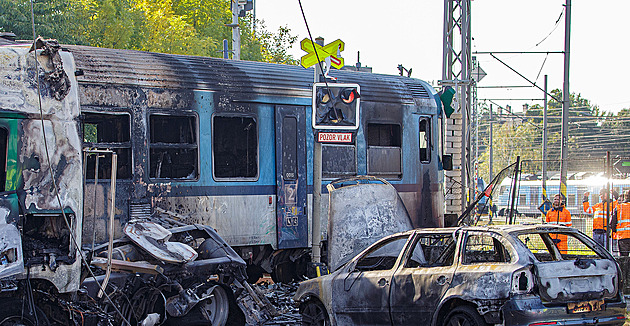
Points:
(559, 215)
(621, 223)
(600, 213)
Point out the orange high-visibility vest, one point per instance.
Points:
(623, 221)
(599, 213)
(560, 216)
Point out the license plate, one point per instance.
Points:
(585, 306)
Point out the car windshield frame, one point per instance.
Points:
(556, 254)
(378, 245)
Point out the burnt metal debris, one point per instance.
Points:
(511, 274)
(54, 74)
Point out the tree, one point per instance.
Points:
(592, 132)
(192, 27)
(510, 140)
(117, 24)
(53, 19)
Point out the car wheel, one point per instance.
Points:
(216, 308)
(314, 314)
(464, 316)
(212, 311)
(16, 312)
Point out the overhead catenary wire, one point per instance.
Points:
(310, 36)
(554, 27)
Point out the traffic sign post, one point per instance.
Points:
(545, 207)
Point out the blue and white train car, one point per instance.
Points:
(229, 144)
(529, 193)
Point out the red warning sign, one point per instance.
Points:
(334, 137)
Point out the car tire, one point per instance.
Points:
(313, 313)
(11, 313)
(464, 316)
(213, 311)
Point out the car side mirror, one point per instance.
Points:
(447, 162)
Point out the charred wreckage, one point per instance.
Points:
(51, 270)
(161, 270)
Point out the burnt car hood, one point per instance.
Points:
(361, 213)
(586, 279)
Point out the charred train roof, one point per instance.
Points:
(250, 80)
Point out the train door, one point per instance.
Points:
(291, 186)
(12, 254)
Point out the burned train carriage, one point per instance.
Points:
(229, 144)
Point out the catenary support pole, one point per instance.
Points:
(565, 101)
(490, 160)
(544, 146)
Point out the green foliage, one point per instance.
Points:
(53, 19)
(591, 133)
(192, 27)
(90, 133)
(274, 46)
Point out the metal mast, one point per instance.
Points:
(456, 71)
(566, 103)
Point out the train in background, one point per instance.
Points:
(229, 144)
(529, 194)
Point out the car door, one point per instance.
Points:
(487, 264)
(425, 275)
(361, 292)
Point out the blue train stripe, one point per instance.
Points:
(261, 190)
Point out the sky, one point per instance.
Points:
(409, 32)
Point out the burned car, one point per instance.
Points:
(510, 275)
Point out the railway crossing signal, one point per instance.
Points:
(332, 50)
(336, 106)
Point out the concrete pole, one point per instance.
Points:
(317, 180)
(236, 32)
(565, 101)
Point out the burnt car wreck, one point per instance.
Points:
(510, 275)
(463, 275)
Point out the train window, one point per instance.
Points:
(424, 140)
(235, 147)
(173, 147)
(522, 199)
(4, 141)
(384, 150)
(107, 131)
(570, 200)
(534, 196)
(289, 151)
(338, 160)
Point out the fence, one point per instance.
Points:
(530, 195)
